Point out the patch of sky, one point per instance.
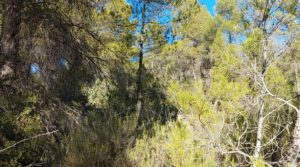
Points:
(63, 63)
(34, 68)
(169, 35)
(240, 39)
(163, 17)
(280, 42)
(210, 5)
(134, 59)
(235, 39)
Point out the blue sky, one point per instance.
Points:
(210, 5)
(166, 17)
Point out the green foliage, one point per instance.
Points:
(18, 125)
(253, 45)
(171, 145)
(99, 143)
(203, 95)
(259, 163)
(228, 87)
(278, 85)
(189, 98)
(97, 94)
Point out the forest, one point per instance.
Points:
(150, 83)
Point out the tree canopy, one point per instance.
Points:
(149, 83)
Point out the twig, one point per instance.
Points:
(275, 96)
(24, 140)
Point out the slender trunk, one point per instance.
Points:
(296, 75)
(294, 151)
(260, 126)
(293, 156)
(11, 20)
(139, 83)
(259, 132)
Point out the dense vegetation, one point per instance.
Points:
(149, 83)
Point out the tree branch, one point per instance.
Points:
(24, 140)
(275, 96)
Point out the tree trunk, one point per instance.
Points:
(294, 151)
(260, 126)
(139, 83)
(293, 156)
(9, 37)
(296, 66)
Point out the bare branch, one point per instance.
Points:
(275, 96)
(24, 140)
